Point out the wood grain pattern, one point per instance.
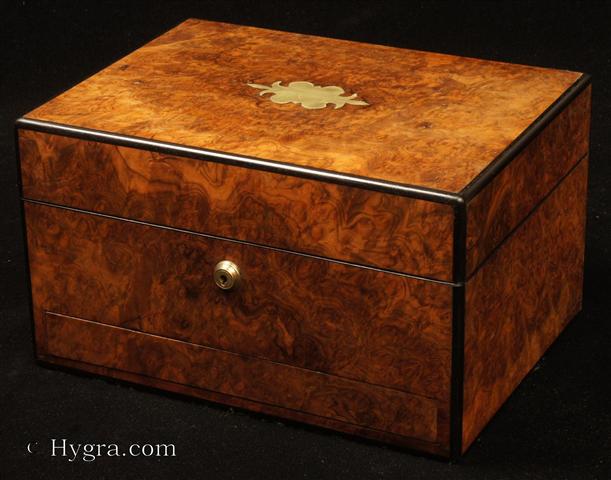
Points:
(440, 448)
(261, 381)
(504, 202)
(346, 223)
(342, 346)
(434, 120)
(521, 299)
(361, 324)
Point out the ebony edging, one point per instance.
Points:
(422, 193)
(458, 330)
(460, 251)
(24, 239)
(506, 156)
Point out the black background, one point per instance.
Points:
(556, 425)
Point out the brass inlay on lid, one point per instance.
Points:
(310, 96)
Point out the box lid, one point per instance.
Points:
(395, 116)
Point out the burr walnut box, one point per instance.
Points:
(370, 239)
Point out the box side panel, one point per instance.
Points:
(521, 299)
(330, 220)
(500, 207)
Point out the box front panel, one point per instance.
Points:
(337, 221)
(363, 324)
(379, 337)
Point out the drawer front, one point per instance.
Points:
(352, 322)
(341, 222)
(230, 374)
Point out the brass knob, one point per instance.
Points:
(226, 275)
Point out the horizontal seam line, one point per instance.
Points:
(411, 191)
(526, 217)
(252, 357)
(228, 394)
(243, 242)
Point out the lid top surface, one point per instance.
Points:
(431, 120)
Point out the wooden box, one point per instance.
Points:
(370, 239)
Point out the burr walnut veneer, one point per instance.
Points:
(387, 256)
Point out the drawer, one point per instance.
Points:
(342, 222)
(265, 382)
(352, 322)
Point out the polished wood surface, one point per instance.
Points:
(230, 374)
(346, 223)
(521, 299)
(440, 448)
(123, 285)
(352, 322)
(513, 193)
(434, 120)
